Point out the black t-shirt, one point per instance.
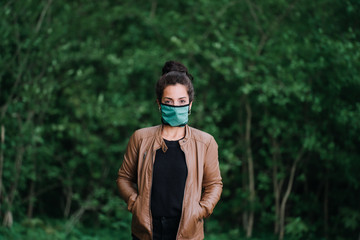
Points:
(168, 185)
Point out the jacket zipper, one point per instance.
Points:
(152, 176)
(183, 205)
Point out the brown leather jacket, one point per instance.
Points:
(203, 184)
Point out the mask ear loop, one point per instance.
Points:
(189, 113)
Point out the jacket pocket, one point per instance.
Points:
(199, 212)
(192, 224)
(140, 223)
(133, 208)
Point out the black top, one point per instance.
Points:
(168, 185)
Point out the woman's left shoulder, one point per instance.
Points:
(200, 135)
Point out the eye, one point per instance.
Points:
(168, 102)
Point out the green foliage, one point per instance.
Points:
(296, 228)
(77, 78)
(351, 218)
(55, 230)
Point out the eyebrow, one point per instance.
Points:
(172, 99)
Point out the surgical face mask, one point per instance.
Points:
(175, 116)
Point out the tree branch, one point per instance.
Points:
(43, 13)
(254, 15)
(40, 192)
(153, 9)
(273, 26)
(219, 14)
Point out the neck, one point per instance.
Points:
(172, 133)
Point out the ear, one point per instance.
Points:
(158, 103)
(190, 105)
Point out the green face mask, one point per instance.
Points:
(175, 116)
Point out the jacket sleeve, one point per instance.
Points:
(127, 175)
(212, 182)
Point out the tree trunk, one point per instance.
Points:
(1, 160)
(31, 200)
(153, 8)
(245, 188)
(32, 189)
(69, 194)
(277, 184)
(250, 171)
(287, 194)
(326, 206)
(18, 164)
(76, 216)
(8, 219)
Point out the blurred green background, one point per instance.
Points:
(277, 84)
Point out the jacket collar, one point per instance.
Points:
(160, 143)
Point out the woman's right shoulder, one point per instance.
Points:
(146, 132)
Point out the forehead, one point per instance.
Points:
(175, 91)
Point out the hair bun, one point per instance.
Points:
(172, 66)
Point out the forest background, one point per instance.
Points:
(277, 84)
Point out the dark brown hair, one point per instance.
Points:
(173, 73)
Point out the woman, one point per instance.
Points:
(170, 177)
